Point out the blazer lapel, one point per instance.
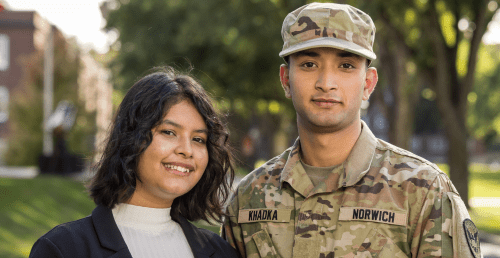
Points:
(108, 233)
(198, 242)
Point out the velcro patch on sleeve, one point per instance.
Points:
(373, 215)
(471, 233)
(256, 215)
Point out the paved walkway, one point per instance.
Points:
(490, 244)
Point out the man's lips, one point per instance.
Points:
(325, 102)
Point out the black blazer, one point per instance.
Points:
(98, 236)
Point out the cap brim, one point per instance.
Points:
(330, 42)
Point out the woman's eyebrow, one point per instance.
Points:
(174, 124)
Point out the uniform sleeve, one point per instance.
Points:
(440, 229)
(231, 230)
(43, 247)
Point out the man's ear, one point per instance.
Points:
(370, 82)
(285, 83)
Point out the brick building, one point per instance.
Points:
(23, 33)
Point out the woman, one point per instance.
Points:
(166, 161)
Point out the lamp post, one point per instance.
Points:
(48, 92)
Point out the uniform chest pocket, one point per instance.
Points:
(377, 244)
(265, 244)
(265, 225)
(384, 227)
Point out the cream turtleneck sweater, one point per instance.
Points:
(150, 232)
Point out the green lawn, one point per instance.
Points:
(31, 207)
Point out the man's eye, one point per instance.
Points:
(309, 64)
(347, 66)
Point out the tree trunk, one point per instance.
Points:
(458, 160)
(394, 56)
(403, 90)
(449, 99)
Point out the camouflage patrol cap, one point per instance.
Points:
(339, 26)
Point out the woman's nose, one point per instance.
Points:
(184, 147)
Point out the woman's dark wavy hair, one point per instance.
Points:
(142, 109)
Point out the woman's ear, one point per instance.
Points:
(285, 83)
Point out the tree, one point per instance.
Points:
(483, 118)
(433, 40)
(233, 45)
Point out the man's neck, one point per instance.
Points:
(328, 149)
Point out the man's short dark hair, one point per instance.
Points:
(142, 109)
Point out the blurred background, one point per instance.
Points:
(66, 65)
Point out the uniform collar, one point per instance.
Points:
(355, 166)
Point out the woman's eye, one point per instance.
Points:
(200, 140)
(168, 132)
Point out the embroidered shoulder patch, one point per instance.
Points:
(472, 235)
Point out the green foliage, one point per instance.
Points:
(26, 140)
(483, 117)
(233, 45)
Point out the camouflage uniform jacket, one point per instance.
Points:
(388, 202)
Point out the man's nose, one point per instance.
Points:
(326, 81)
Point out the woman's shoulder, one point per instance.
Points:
(72, 228)
(56, 242)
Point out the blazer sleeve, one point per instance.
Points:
(223, 248)
(43, 247)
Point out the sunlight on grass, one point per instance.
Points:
(31, 207)
(487, 219)
(484, 181)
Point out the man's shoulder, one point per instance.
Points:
(406, 162)
(269, 172)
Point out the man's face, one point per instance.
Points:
(326, 86)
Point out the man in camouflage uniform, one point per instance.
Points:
(339, 191)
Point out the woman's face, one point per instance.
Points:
(175, 160)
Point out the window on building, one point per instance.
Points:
(4, 52)
(4, 104)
